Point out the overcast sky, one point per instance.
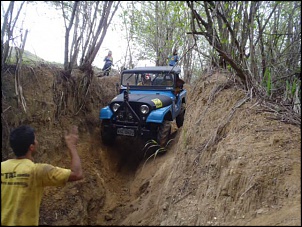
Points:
(46, 36)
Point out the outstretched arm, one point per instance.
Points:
(71, 140)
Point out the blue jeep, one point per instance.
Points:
(150, 99)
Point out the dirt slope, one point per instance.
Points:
(230, 164)
(228, 168)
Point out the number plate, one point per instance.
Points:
(125, 131)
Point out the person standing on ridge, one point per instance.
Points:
(108, 63)
(173, 59)
(23, 181)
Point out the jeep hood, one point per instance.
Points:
(154, 100)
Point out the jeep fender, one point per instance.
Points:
(106, 113)
(157, 116)
(182, 95)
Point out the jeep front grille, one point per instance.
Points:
(125, 114)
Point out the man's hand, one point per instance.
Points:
(71, 140)
(72, 137)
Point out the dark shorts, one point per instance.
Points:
(107, 66)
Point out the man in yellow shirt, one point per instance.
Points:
(23, 181)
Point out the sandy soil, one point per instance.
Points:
(230, 164)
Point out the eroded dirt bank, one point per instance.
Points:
(230, 164)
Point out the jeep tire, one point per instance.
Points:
(181, 116)
(163, 134)
(107, 134)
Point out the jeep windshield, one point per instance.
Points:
(150, 76)
(148, 79)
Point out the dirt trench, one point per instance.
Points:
(116, 179)
(230, 163)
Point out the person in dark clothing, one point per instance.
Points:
(173, 59)
(179, 85)
(108, 63)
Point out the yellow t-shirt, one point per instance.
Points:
(22, 184)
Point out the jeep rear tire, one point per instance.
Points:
(181, 117)
(164, 131)
(107, 134)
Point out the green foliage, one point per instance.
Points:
(287, 86)
(28, 58)
(224, 40)
(150, 144)
(185, 137)
(256, 36)
(157, 27)
(294, 87)
(268, 81)
(291, 87)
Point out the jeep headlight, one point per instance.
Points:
(144, 109)
(115, 107)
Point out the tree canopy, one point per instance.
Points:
(259, 42)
